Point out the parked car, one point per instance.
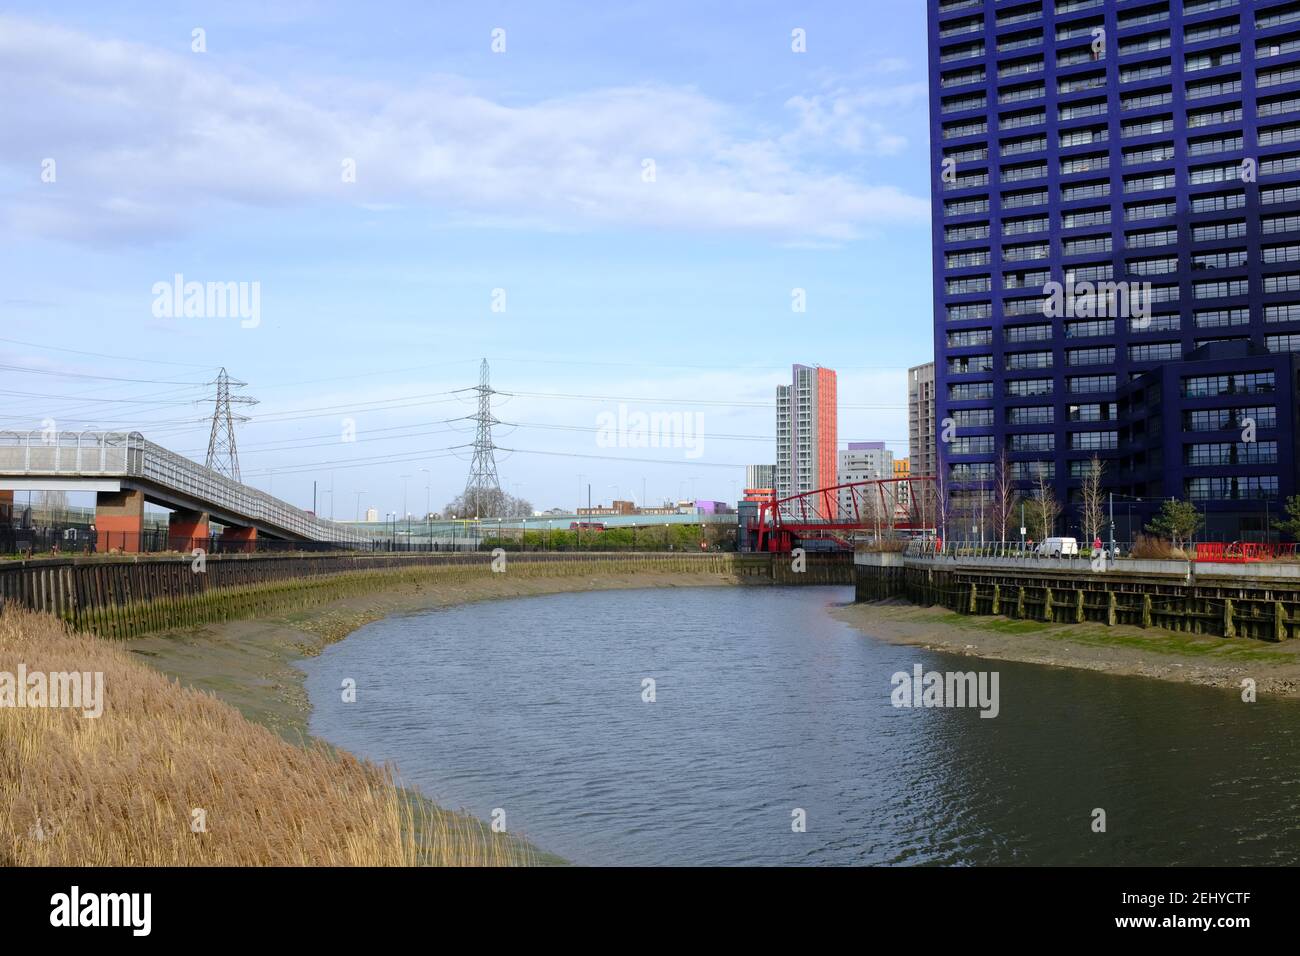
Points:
(1057, 547)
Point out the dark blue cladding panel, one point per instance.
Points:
(1151, 144)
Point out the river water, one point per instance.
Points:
(768, 711)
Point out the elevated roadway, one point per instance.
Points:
(124, 470)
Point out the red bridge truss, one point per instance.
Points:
(882, 506)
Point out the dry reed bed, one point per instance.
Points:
(121, 789)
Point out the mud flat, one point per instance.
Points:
(251, 663)
(1163, 655)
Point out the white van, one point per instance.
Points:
(1057, 547)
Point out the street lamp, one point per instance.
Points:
(428, 507)
(577, 512)
(875, 510)
(405, 511)
(516, 485)
(1112, 526)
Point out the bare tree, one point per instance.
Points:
(1005, 496)
(495, 504)
(941, 504)
(1045, 509)
(870, 512)
(920, 503)
(1093, 499)
(970, 510)
(979, 507)
(55, 506)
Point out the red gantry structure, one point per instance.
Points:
(882, 506)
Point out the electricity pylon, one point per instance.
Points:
(483, 487)
(223, 456)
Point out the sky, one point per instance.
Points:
(620, 209)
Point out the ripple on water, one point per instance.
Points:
(764, 704)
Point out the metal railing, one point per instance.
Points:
(1239, 552)
(1243, 552)
(130, 455)
(930, 548)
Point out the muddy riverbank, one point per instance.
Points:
(1154, 653)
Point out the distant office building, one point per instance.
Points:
(760, 476)
(862, 461)
(372, 514)
(923, 461)
(902, 489)
(806, 431)
(616, 507)
(865, 461)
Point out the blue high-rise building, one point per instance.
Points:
(1116, 213)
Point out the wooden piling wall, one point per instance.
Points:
(1259, 608)
(125, 597)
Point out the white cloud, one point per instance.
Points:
(852, 119)
(148, 143)
(893, 64)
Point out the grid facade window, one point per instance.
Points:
(1229, 419)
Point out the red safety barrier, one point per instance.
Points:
(1241, 552)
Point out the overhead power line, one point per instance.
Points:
(659, 400)
(28, 370)
(104, 355)
(690, 462)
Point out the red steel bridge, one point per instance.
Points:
(842, 512)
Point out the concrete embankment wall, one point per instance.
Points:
(126, 597)
(1220, 600)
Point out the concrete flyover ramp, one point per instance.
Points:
(124, 470)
